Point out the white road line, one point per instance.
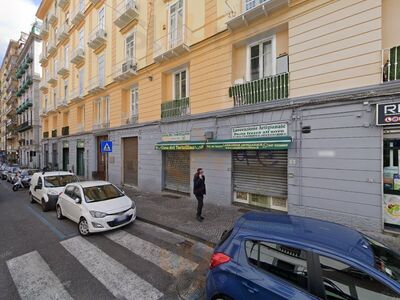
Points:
(118, 279)
(34, 279)
(163, 258)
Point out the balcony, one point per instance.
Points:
(62, 34)
(63, 70)
(54, 133)
(51, 48)
(101, 125)
(175, 108)
(65, 131)
(77, 15)
(52, 79)
(255, 10)
(78, 56)
(44, 31)
(126, 13)
(76, 95)
(391, 64)
(97, 38)
(125, 70)
(259, 91)
(175, 43)
(24, 126)
(96, 85)
(62, 103)
(63, 3)
(46, 135)
(43, 60)
(53, 17)
(43, 86)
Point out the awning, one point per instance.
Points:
(271, 143)
(266, 143)
(181, 145)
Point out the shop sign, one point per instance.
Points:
(248, 146)
(80, 144)
(176, 137)
(187, 147)
(388, 114)
(262, 130)
(391, 209)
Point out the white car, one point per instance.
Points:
(96, 206)
(45, 187)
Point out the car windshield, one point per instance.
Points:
(58, 181)
(386, 260)
(101, 193)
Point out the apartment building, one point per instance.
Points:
(28, 74)
(3, 97)
(276, 100)
(8, 102)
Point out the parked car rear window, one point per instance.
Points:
(101, 193)
(288, 263)
(58, 181)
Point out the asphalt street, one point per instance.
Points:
(45, 258)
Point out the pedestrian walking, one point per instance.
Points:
(199, 190)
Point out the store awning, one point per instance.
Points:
(181, 145)
(267, 143)
(272, 143)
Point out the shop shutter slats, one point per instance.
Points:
(177, 171)
(260, 172)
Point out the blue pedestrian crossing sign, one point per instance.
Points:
(106, 146)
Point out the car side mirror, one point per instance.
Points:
(123, 192)
(77, 200)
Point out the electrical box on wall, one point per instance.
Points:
(209, 135)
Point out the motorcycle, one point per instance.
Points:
(22, 182)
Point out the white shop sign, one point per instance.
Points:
(262, 130)
(176, 137)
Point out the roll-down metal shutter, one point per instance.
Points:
(260, 172)
(177, 171)
(131, 161)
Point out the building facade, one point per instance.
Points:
(28, 123)
(275, 100)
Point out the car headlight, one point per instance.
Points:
(133, 205)
(52, 193)
(97, 214)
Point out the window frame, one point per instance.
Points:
(272, 39)
(81, 38)
(172, 3)
(174, 83)
(101, 66)
(131, 92)
(133, 34)
(101, 18)
(314, 279)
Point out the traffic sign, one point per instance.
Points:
(106, 146)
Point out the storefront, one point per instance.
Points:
(65, 156)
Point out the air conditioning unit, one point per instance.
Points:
(129, 66)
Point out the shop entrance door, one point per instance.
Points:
(177, 171)
(130, 161)
(101, 159)
(65, 159)
(55, 157)
(80, 162)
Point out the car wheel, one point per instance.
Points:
(83, 227)
(45, 207)
(59, 212)
(222, 297)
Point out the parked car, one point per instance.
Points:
(271, 256)
(47, 186)
(3, 171)
(96, 206)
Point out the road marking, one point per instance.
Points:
(166, 260)
(119, 280)
(34, 279)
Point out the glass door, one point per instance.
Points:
(175, 24)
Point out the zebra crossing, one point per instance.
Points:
(33, 277)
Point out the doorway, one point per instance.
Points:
(101, 159)
(130, 149)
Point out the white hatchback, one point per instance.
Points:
(96, 206)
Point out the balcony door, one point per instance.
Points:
(176, 22)
(261, 59)
(101, 70)
(180, 84)
(102, 18)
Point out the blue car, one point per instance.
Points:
(275, 256)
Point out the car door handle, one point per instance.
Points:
(250, 288)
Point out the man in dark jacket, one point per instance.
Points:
(199, 190)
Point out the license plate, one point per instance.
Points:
(120, 218)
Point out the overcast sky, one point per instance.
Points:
(15, 16)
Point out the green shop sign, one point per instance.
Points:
(190, 145)
(248, 146)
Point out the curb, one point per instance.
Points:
(180, 232)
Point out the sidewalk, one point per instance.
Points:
(178, 213)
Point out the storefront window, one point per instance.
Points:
(391, 183)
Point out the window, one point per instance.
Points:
(65, 90)
(82, 5)
(180, 85)
(98, 111)
(134, 101)
(54, 99)
(58, 181)
(69, 191)
(55, 67)
(342, 281)
(107, 109)
(66, 56)
(261, 62)
(102, 18)
(67, 17)
(101, 193)
(101, 71)
(45, 104)
(81, 39)
(130, 47)
(249, 4)
(175, 23)
(81, 81)
(285, 262)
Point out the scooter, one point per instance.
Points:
(22, 183)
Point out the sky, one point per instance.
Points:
(15, 16)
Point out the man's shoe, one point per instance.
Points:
(199, 219)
